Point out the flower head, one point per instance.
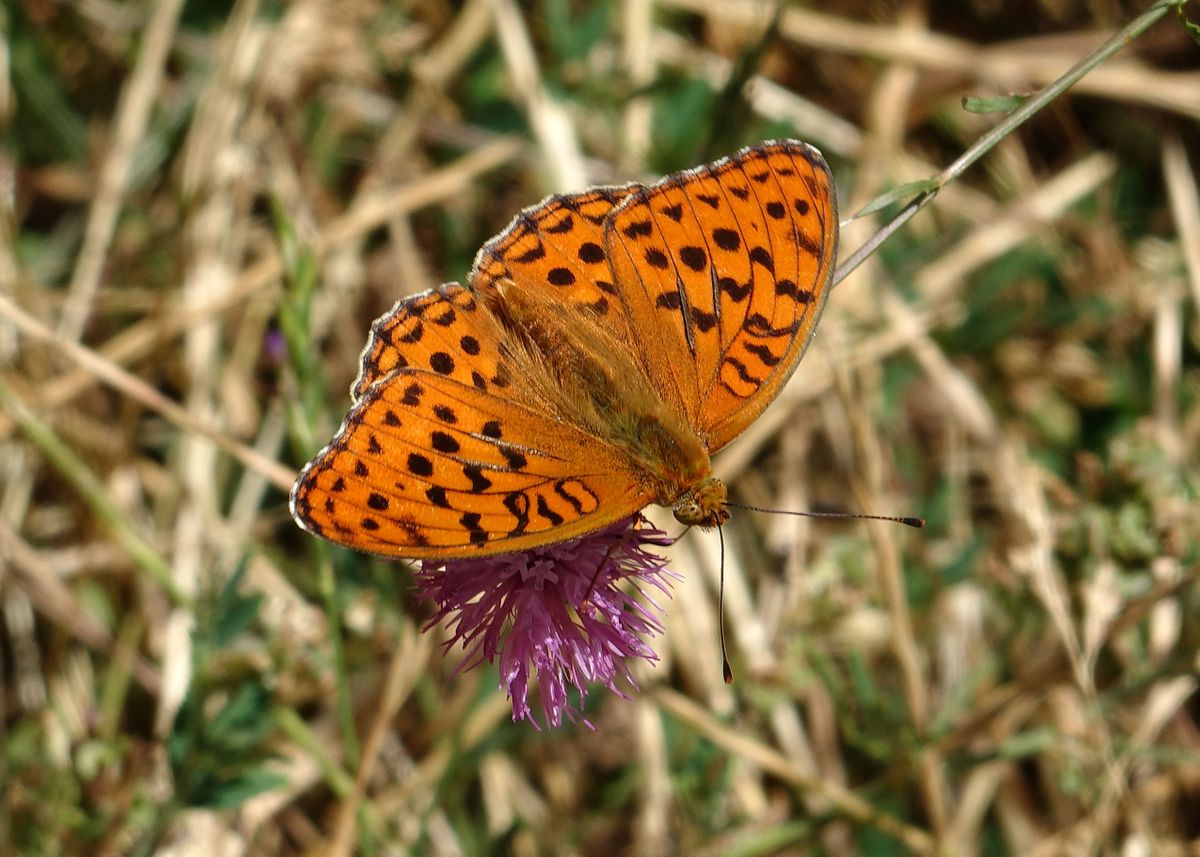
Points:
(557, 614)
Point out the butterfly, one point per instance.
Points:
(604, 346)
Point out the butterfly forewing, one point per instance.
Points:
(794, 190)
(725, 270)
(425, 466)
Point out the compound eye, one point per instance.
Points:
(688, 513)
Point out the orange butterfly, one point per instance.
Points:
(605, 345)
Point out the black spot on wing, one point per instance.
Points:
(788, 289)
(571, 500)
(560, 277)
(809, 244)
(562, 227)
(444, 443)
(638, 228)
(762, 256)
(518, 504)
(544, 510)
(475, 533)
(412, 394)
(378, 502)
(694, 257)
(413, 335)
(419, 465)
(591, 253)
(726, 239)
(531, 255)
(577, 495)
(759, 325)
(441, 362)
(764, 354)
(515, 459)
(479, 482)
(656, 258)
(740, 368)
(737, 292)
(446, 319)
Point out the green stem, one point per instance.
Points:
(328, 584)
(336, 776)
(1014, 120)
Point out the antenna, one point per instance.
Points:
(726, 669)
(907, 520)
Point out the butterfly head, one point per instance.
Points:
(703, 505)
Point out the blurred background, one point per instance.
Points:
(205, 205)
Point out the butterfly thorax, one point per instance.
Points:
(575, 368)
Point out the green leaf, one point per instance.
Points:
(231, 793)
(897, 194)
(48, 125)
(234, 612)
(217, 762)
(575, 29)
(1190, 27)
(244, 719)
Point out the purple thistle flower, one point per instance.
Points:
(556, 614)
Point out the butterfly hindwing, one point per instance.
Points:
(445, 330)
(426, 466)
(557, 247)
